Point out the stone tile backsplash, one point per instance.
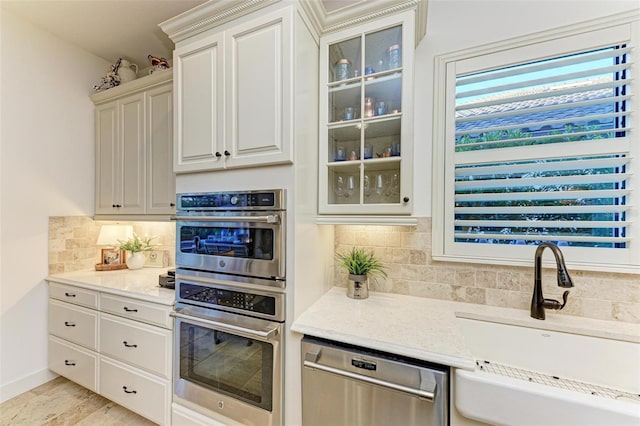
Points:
(72, 241)
(406, 251)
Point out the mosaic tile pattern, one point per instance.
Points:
(407, 253)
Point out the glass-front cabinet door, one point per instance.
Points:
(366, 131)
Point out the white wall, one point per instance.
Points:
(47, 169)
(460, 24)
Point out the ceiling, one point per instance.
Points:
(112, 29)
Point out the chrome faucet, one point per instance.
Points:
(538, 302)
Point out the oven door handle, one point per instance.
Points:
(270, 218)
(263, 334)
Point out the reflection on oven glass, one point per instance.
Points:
(227, 363)
(249, 243)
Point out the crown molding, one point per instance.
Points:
(217, 12)
(325, 22)
(209, 15)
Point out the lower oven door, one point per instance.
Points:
(230, 364)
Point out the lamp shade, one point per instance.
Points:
(110, 234)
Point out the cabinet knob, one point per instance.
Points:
(113, 205)
(405, 199)
(124, 388)
(69, 324)
(129, 309)
(69, 294)
(67, 362)
(172, 204)
(218, 155)
(128, 345)
(226, 153)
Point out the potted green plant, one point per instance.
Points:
(361, 265)
(135, 246)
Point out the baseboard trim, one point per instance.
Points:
(26, 383)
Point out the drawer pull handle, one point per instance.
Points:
(124, 388)
(128, 345)
(70, 324)
(129, 310)
(69, 294)
(67, 362)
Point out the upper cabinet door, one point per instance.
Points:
(132, 154)
(366, 111)
(107, 151)
(259, 89)
(161, 181)
(199, 105)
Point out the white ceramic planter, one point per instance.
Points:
(136, 260)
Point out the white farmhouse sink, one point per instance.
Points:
(531, 376)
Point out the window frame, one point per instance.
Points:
(617, 29)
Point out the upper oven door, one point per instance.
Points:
(236, 243)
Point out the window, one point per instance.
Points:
(540, 145)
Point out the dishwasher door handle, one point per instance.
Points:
(429, 395)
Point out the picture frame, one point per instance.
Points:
(157, 258)
(112, 256)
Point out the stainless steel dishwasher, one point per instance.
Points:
(354, 386)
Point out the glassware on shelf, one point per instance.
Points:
(379, 188)
(353, 155)
(381, 108)
(395, 149)
(368, 151)
(394, 56)
(342, 69)
(394, 185)
(339, 186)
(341, 154)
(368, 107)
(351, 186)
(345, 186)
(349, 113)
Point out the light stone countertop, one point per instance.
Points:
(427, 329)
(139, 284)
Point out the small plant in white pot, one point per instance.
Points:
(135, 246)
(361, 265)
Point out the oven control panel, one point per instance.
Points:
(246, 200)
(237, 300)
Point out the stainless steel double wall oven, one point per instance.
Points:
(230, 303)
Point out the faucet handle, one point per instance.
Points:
(565, 296)
(554, 304)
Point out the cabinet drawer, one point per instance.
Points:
(140, 392)
(143, 345)
(138, 310)
(74, 323)
(73, 362)
(75, 295)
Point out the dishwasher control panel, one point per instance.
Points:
(364, 364)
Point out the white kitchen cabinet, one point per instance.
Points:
(134, 147)
(233, 95)
(366, 126)
(117, 346)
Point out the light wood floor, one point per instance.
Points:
(62, 402)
